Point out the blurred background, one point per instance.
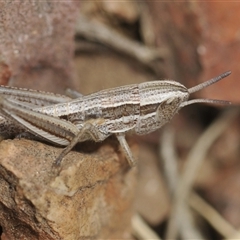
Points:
(188, 179)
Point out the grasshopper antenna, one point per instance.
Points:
(209, 82)
(204, 85)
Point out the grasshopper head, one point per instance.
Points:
(177, 95)
(161, 100)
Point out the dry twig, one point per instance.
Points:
(95, 31)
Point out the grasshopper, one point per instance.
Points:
(137, 108)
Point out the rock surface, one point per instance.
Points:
(89, 197)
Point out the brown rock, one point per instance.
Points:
(89, 197)
(37, 43)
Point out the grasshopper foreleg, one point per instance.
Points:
(126, 149)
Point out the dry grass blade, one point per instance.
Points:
(194, 160)
(213, 217)
(169, 157)
(141, 230)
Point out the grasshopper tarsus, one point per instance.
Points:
(58, 160)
